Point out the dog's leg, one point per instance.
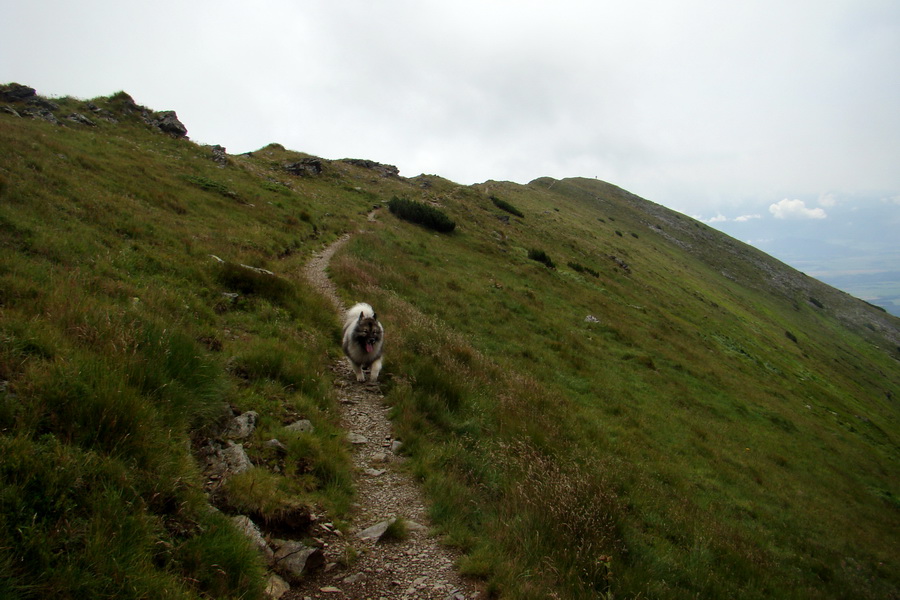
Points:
(360, 376)
(376, 369)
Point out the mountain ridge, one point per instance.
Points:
(793, 284)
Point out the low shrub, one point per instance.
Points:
(421, 214)
(541, 257)
(504, 205)
(582, 269)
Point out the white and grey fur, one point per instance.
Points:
(363, 341)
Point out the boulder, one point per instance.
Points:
(219, 156)
(80, 118)
(41, 113)
(15, 92)
(381, 169)
(292, 559)
(233, 460)
(167, 122)
(246, 526)
(304, 167)
(42, 103)
(242, 426)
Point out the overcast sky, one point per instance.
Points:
(767, 110)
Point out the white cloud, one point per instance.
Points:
(720, 218)
(827, 199)
(796, 209)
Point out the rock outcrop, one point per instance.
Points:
(305, 167)
(379, 168)
(167, 122)
(15, 92)
(119, 105)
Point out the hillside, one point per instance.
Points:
(665, 412)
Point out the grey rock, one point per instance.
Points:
(355, 578)
(276, 445)
(301, 426)
(276, 587)
(259, 270)
(43, 103)
(81, 119)
(304, 167)
(167, 122)
(413, 526)
(355, 438)
(15, 92)
(294, 559)
(246, 526)
(242, 426)
(381, 169)
(376, 531)
(41, 113)
(234, 459)
(219, 155)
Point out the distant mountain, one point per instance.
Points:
(856, 238)
(601, 397)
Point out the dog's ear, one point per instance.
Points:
(374, 316)
(361, 313)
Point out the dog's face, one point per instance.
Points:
(368, 333)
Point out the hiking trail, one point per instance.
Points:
(360, 566)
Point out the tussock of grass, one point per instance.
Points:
(397, 531)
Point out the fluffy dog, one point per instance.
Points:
(363, 341)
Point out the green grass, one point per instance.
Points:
(725, 428)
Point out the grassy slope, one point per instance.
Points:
(117, 345)
(729, 458)
(728, 428)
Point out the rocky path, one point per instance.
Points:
(365, 563)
